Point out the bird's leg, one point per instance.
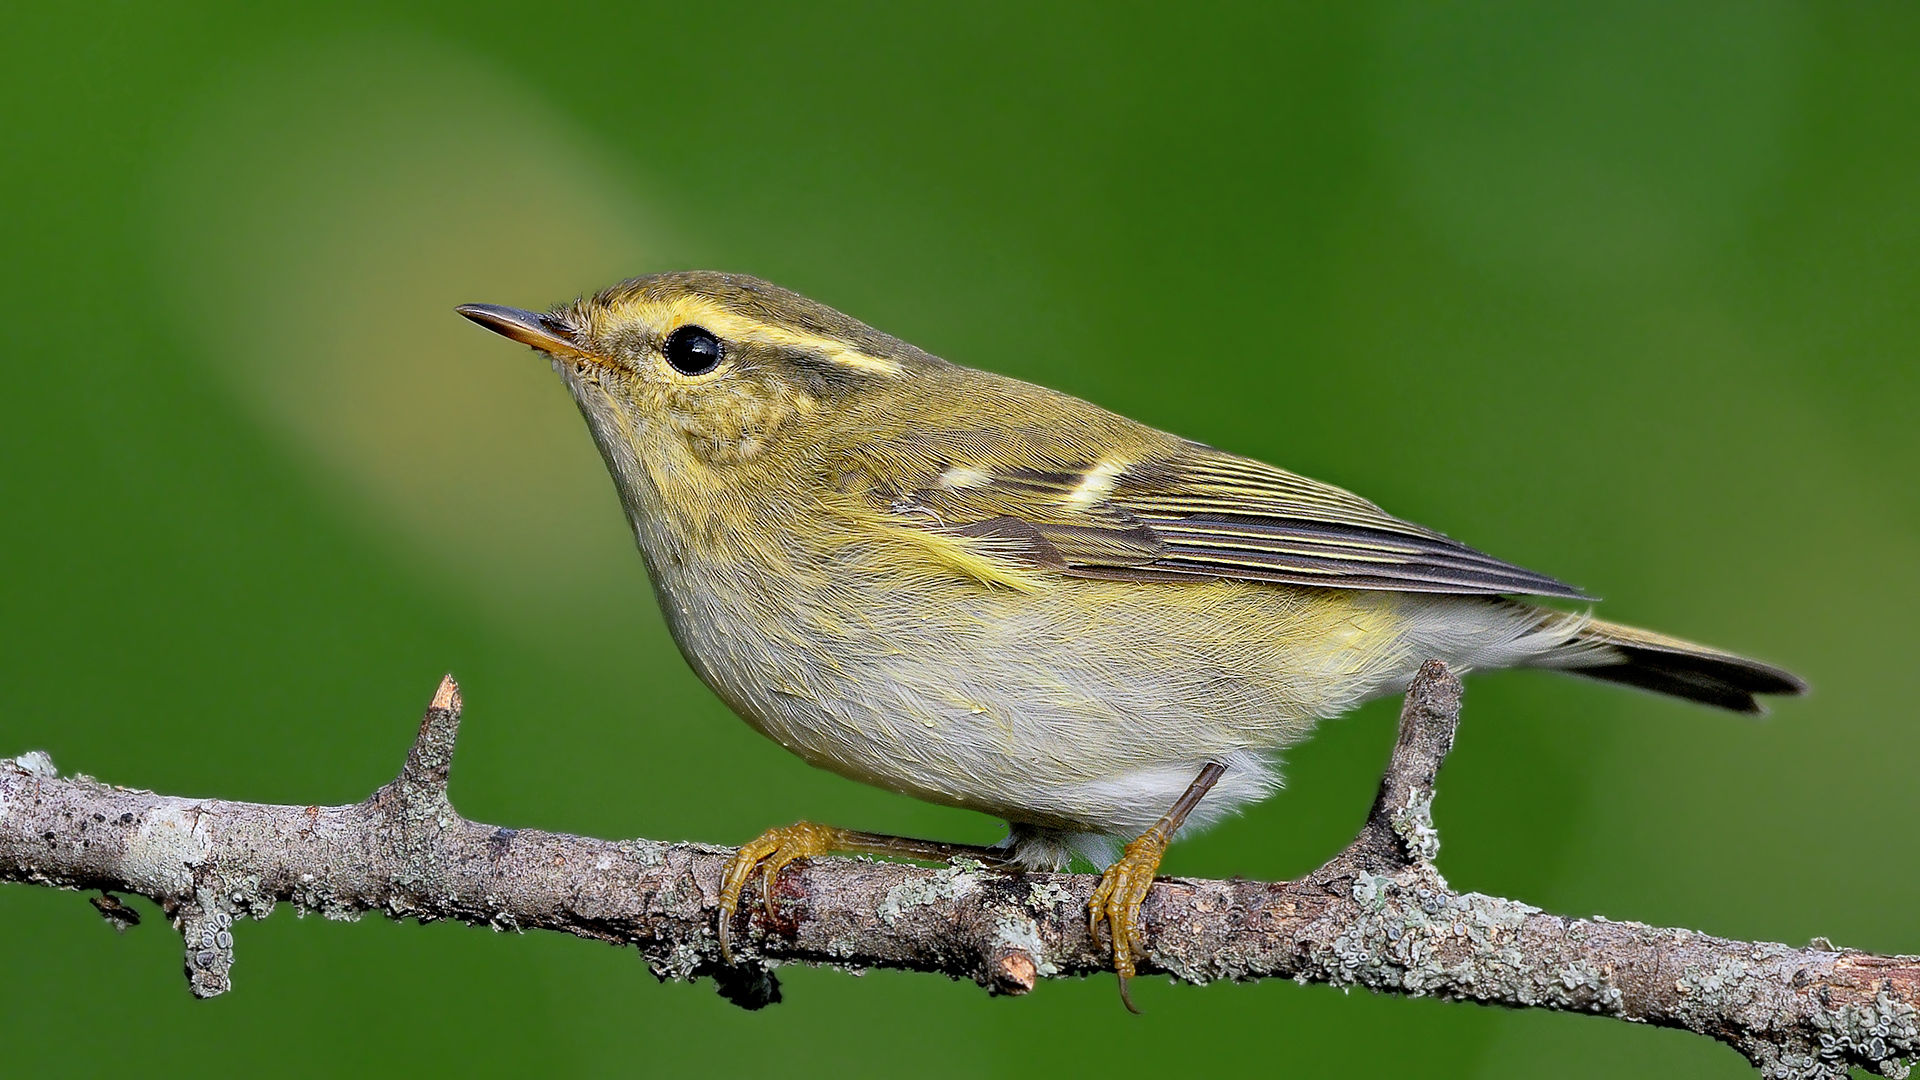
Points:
(1123, 888)
(772, 850)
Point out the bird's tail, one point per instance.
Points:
(1666, 665)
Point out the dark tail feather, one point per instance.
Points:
(1665, 665)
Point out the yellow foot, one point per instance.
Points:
(1116, 902)
(775, 848)
(769, 854)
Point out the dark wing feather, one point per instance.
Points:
(1182, 511)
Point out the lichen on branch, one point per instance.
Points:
(1377, 915)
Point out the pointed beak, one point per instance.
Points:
(542, 332)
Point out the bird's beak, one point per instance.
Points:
(542, 332)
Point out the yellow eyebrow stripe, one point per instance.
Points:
(732, 326)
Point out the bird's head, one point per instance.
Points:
(718, 369)
(709, 393)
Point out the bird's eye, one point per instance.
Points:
(692, 350)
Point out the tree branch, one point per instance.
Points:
(1377, 915)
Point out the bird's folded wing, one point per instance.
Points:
(1175, 511)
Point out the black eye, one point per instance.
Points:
(693, 351)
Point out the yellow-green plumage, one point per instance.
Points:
(987, 594)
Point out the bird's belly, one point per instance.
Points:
(1086, 706)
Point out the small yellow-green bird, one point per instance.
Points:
(986, 594)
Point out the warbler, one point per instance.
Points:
(986, 594)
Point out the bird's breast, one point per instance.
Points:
(1020, 703)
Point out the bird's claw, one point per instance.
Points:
(1116, 902)
(769, 853)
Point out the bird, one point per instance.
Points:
(987, 594)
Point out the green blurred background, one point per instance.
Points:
(1625, 294)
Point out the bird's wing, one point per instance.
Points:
(1175, 510)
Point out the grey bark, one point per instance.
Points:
(1377, 915)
